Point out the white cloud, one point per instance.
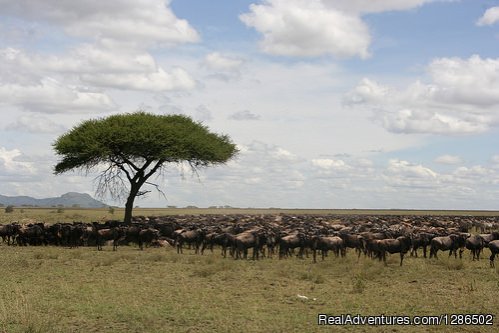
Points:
(473, 81)
(329, 164)
(158, 81)
(377, 6)
(462, 98)
(11, 164)
(221, 62)
(101, 67)
(51, 96)
(307, 28)
(491, 16)
(113, 21)
(405, 174)
(448, 159)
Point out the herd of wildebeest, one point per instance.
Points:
(280, 235)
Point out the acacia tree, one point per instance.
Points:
(132, 147)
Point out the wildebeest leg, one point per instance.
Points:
(401, 258)
(315, 255)
(424, 251)
(492, 256)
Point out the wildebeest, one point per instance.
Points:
(490, 237)
(324, 244)
(31, 234)
(447, 243)
(289, 242)
(115, 234)
(494, 249)
(400, 245)
(8, 232)
(147, 236)
(225, 240)
(352, 241)
(420, 239)
(246, 240)
(475, 244)
(192, 237)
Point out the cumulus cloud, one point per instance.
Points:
(244, 115)
(448, 159)
(221, 62)
(113, 21)
(491, 16)
(369, 6)
(160, 80)
(51, 96)
(406, 174)
(12, 164)
(462, 98)
(329, 164)
(307, 28)
(100, 67)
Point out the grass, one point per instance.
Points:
(50, 289)
(69, 214)
(157, 290)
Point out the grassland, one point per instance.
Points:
(50, 289)
(53, 215)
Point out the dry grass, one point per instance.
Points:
(49, 289)
(157, 290)
(51, 215)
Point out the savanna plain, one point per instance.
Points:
(58, 289)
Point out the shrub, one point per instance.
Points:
(9, 209)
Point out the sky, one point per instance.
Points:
(383, 104)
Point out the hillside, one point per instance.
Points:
(69, 199)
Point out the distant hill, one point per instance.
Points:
(69, 199)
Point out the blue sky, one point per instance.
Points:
(333, 104)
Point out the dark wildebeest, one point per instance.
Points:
(244, 241)
(193, 237)
(147, 236)
(30, 235)
(225, 240)
(115, 234)
(353, 241)
(8, 232)
(475, 244)
(290, 242)
(494, 249)
(490, 237)
(400, 245)
(326, 243)
(420, 239)
(447, 243)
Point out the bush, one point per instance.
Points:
(9, 209)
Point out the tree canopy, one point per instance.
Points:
(134, 146)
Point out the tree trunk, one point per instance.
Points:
(129, 203)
